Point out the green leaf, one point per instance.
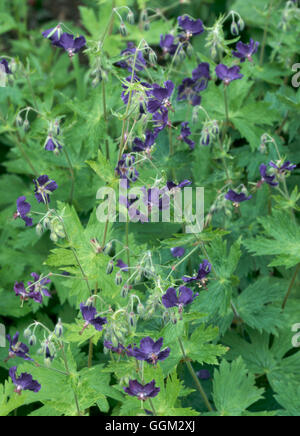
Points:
(234, 388)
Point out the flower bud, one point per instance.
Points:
(39, 229)
(166, 317)
(26, 125)
(19, 120)
(59, 329)
(129, 161)
(125, 291)
(147, 26)
(110, 267)
(53, 237)
(140, 309)
(119, 278)
(123, 29)
(234, 29)
(132, 319)
(32, 341)
(130, 17)
(27, 333)
(241, 24)
(107, 249)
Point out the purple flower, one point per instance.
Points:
(265, 177)
(20, 291)
(204, 374)
(142, 392)
(188, 90)
(185, 296)
(43, 187)
(228, 74)
(52, 145)
(126, 170)
(23, 210)
(191, 27)
(203, 272)
(17, 349)
(71, 44)
(128, 62)
(237, 198)
(161, 121)
(89, 314)
(54, 34)
(123, 266)
(184, 135)
(167, 44)
(246, 51)
(140, 146)
(161, 96)
(120, 349)
(38, 285)
(5, 66)
(282, 168)
(201, 74)
(177, 251)
(24, 382)
(172, 186)
(150, 351)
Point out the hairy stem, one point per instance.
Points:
(72, 175)
(105, 118)
(263, 47)
(69, 375)
(291, 286)
(195, 378)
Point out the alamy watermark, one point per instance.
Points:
(2, 336)
(296, 337)
(155, 205)
(296, 77)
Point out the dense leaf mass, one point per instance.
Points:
(145, 309)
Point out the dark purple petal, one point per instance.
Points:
(237, 198)
(177, 251)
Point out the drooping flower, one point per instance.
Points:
(43, 188)
(267, 178)
(237, 198)
(246, 51)
(24, 382)
(184, 297)
(24, 295)
(177, 251)
(184, 135)
(54, 34)
(161, 121)
(201, 75)
(5, 66)
(173, 186)
(141, 146)
(161, 97)
(188, 90)
(167, 44)
(120, 349)
(228, 75)
(23, 209)
(17, 349)
(89, 314)
(150, 351)
(131, 59)
(190, 26)
(126, 170)
(122, 265)
(203, 272)
(282, 168)
(38, 285)
(71, 44)
(142, 392)
(52, 144)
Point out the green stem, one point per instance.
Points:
(291, 287)
(105, 118)
(195, 378)
(23, 152)
(105, 233)
(72, 175)
(266, 29)
(226, 107)
(127, 242)
(69, 375)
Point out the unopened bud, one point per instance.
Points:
(27, 333)
(123, 29)
(119, 278)
(130, 17)
(107, 249)
(234, 28)
(110, 267)
(32, 341)
(26, 125)
(59, 329)
(39, 229)
(140, 309)
(125, 291)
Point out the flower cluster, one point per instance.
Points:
(35, 290)
(190, 88)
